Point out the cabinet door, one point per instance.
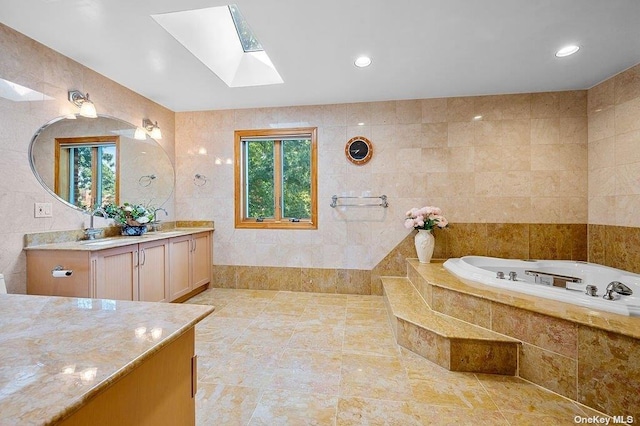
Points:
(201, 263)
(115, 273)
(180, 266)
(153, 271)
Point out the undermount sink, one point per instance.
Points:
(164, 233)
(100, 242)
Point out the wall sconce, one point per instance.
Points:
(140, 134)
(87, 108)
(152, 128)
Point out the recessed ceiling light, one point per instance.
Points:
(360, 124)
(363, 61)
(567, 50)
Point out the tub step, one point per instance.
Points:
(449, 342)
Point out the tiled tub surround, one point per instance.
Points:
(591, 357)
(58, 353)
(562, 280)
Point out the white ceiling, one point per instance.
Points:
(420, 48)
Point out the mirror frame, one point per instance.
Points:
(52, 191)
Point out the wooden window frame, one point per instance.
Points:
(274, 223)
(92, 140)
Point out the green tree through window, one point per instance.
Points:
(276, 180)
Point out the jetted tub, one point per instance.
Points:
(538, 281)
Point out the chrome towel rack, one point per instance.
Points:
(383, 202)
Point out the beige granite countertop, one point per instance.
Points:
(57, 352)
(118, 241)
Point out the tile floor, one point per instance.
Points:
(286, 358)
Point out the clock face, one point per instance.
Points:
(359, 150)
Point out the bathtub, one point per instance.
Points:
(484, 270)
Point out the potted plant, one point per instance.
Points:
(132, 218)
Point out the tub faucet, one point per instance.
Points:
(616, 287)
(91, 232)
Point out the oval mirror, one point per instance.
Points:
(87, 162)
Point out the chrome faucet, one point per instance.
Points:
(616, 287)
(156, 222)
(91, 232)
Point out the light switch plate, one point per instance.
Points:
(43, 210)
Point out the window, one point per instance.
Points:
(276, 178)
(86, 172)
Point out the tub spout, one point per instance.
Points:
(616, 287)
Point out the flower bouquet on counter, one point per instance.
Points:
(131, 217)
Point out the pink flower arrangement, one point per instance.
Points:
(427, 218)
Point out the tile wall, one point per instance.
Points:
(30, 64)
(614, 171)
(524, 161)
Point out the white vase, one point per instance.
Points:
(425, 243)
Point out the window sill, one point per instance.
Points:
(275, 225)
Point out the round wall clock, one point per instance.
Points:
(359, 150)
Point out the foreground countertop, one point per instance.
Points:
(57, 352)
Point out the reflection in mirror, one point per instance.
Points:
(86, 162)
(86, 170)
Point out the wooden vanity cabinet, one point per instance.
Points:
(160, 270)
(133, 272)
(114, 273)
(190, 263)
(39, 276)
(153, 271)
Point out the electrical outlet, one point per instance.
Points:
(43, 210)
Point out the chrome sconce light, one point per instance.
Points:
(152, 128)
(87, 108)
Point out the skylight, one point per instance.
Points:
(15, 92)
(222, 40)
(249, 41)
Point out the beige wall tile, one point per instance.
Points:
(434, 110)
(626, 116)
(559, 157)
(460, 109)
(545, 131)
(545, 105)
(602, 153)
(627, 148)
(602, 124)
(460, 133)
(601, 96)
(409, 111)
(627, 85)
